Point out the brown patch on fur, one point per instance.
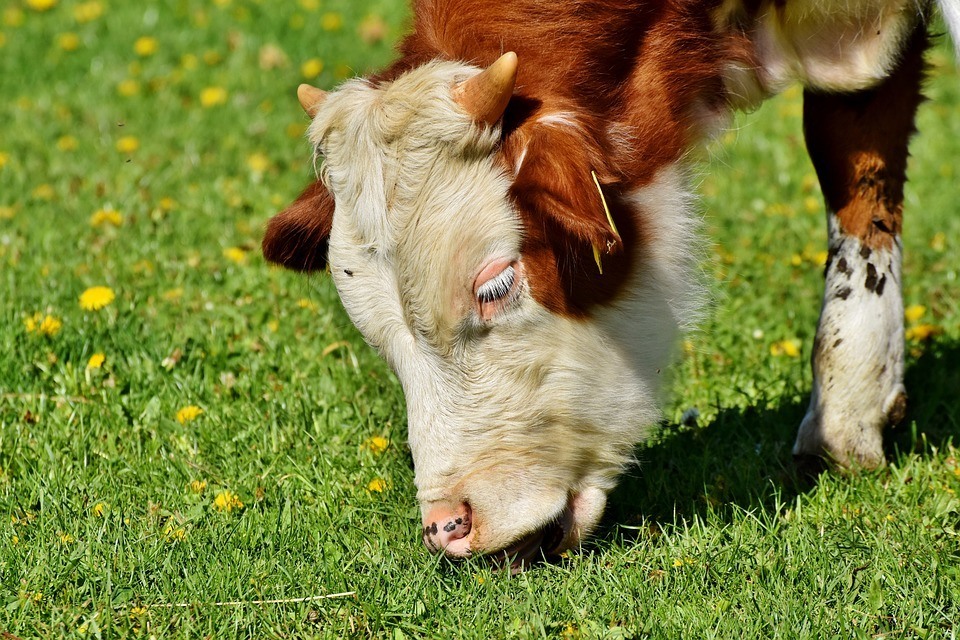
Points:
(646, 70)
(858, 144)
(296, 238)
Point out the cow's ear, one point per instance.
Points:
(560, 187)
(296, 238)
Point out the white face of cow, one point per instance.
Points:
(519, 419)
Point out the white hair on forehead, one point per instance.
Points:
(382, 144)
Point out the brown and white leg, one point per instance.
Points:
(858, 144)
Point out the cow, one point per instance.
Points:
(507, 217)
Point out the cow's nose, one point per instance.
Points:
(445, 529)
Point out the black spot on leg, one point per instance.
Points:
(880, 285)
(348, 272)
(871, 282)
(843, 267)
(865, 252)
(433, 529)
(844, 293)
(837, 343)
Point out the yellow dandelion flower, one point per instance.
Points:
(41, 5)
(138, 611)
(172, 295)
(167, 203)
(67, 143)
(331, 21)
(914, 312)
(45, 325)
(227, 501)
(309, 5)
(189, 61)
(796, 260)
(198, 486)
(212, 97)
(97, 509)
(820, 258)
(811, 204)
(44, 192)
(13, 16)
(677, 562)
(939, 242)
(128, 144)
(68, 41)
(15, 539)
(376, 444)
(96, 361)
(789, 348)
(128, 88)
(377, 485)
(311, 68)
(307, 303)
(4, 159)
(7, 213)
(922, 332)
(258, 162)
(38, 595)
(65, 538)
(102, 217)
(145, 46)
(189, 414)
(96, 298)
(212, 58)
(235, 254)
(174, 534)
(273, 326)
(49, 326)
(87, 11)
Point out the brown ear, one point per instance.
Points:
(555, 189)
(296, 238)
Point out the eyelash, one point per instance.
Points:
(497, 288)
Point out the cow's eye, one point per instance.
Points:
(495, 292)
(498, 287)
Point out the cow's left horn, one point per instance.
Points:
(485, 96)
(310, 98)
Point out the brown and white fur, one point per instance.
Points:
(529, 327)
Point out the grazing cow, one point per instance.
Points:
(514, 232)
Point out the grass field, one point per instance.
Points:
(205, 429)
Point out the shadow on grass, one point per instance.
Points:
(742, 460)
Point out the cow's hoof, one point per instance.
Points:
(844, 447)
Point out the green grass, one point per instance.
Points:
(712, 535)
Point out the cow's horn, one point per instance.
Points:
(485, 95)
(310, 98)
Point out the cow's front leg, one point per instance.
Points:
(858, 144)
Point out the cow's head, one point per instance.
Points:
(457, 250)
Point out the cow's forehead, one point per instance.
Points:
(416, 185)
(397, 153)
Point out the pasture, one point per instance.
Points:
(195, 444)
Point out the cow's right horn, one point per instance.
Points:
(485, 95)
(310, 98)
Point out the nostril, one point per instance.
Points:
(446, 529)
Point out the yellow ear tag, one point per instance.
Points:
(613, 226)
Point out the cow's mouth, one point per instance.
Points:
(527, 551)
